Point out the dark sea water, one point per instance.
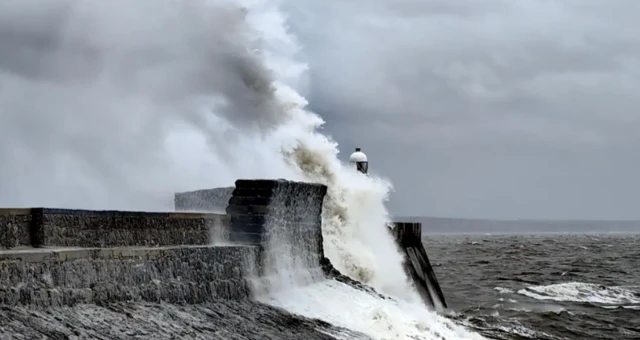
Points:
(548, 286)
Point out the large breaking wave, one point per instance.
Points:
(119, 104)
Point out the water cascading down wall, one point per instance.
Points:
(286, 216)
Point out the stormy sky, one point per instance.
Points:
(477, 109)
(484, 109)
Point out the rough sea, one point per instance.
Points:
(547, 286)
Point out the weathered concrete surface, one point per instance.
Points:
(88, 228)
(66, 277)
(417, 265)
(209, 200)
(84, 228)
(221, 320)
(14, 227)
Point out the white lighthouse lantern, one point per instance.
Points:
(359, 160)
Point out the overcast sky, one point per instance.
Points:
(480, 109)
(489, 108)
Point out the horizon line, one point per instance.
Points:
(519, 219)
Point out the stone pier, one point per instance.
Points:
(52, 277)
(63, 257)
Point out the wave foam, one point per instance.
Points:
(584, 292)
(382, 319)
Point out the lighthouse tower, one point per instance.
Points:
(359, 160)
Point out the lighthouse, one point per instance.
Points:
(359, 160)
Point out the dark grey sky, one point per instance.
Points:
(489, 109)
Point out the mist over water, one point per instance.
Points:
(117, 105)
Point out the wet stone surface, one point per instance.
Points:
(178, 275)
(78, 228)
(14, 227)
(87, 228)
(228, 320)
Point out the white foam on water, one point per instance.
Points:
(584, 292)
(514, 327)
(379, 318)
(503, 290)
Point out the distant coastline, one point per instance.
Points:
(445, 225)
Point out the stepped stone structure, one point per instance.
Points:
(62, 257)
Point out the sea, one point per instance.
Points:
(541, 286)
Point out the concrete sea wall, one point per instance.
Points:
(63, 257)
(40, 227)
(65, 277)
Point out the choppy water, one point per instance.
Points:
(553, 286)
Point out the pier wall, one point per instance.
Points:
(45, 227)
(63, 257)
(50, 277)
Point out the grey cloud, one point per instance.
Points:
(491, 108)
